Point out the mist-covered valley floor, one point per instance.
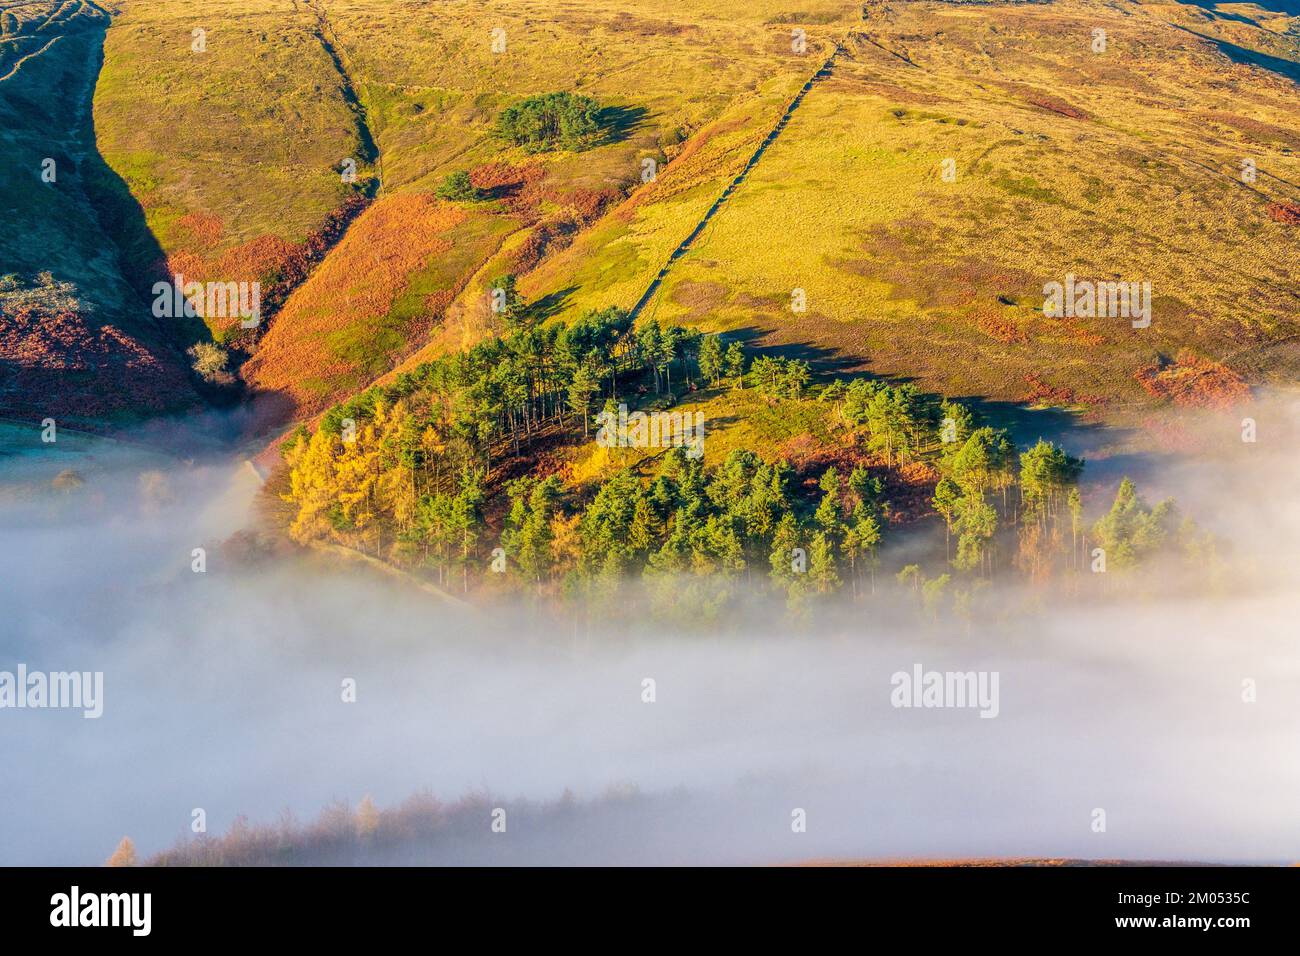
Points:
(224, 692)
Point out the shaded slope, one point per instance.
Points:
(76, 342)
(231, 140)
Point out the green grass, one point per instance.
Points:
(904, 272)
(250, 131)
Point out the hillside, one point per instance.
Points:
(76, 341)
(871, 187)
(431, 87)
(229, 124)
(1122, 165)
(827, 176)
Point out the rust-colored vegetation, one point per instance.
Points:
(339, 330)
(1192, 381)
(997, 325)
(64, 364)
(1042, 393)
(1287, 213)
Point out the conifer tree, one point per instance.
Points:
(711, 358)
(735, 364)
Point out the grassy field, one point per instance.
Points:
(1066, 161)
(229, 140)
(694, 87)
(433, 82)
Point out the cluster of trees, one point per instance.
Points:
(974, 467)
(741, 522)
(406, 471)
(402, 468)
(987, 485)
(901, 421)
(781, 377)
(505, 392)
(1132, 532)
(719, 362)
(552, 121)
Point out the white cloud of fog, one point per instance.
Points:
(222, 691)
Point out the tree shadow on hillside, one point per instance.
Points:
(1209, 7)
(552, 304)
(1026, 424)
(822, 360)
(502, 190)
(1289, 7)
(620, 122)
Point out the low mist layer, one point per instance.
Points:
(224, 690)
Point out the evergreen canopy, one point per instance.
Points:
(552, 121)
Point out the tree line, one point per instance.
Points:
(406, 471)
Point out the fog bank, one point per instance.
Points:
(223, 691)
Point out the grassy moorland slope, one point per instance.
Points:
(223, 126)
(431, 86)
(1123, 164)
(76, 342)
(228, 122)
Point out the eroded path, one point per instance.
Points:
(329, 41)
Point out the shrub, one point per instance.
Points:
(551, 121)
(210, 363)
(457, 187)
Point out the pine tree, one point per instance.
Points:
(666, 352)
(976, 524)
(794, 378)
(956, 422)
(1046, 472)
(861, 538)
(1075, 504)
(735, 363)
(535, 536)
(784, 542)
(585, 384)
(828, 516)
(823, 575)
(711, 358)
(932, 592)
(947, 495)
(911, 575)
(466, 519)
(508, 303)
(648, 342)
